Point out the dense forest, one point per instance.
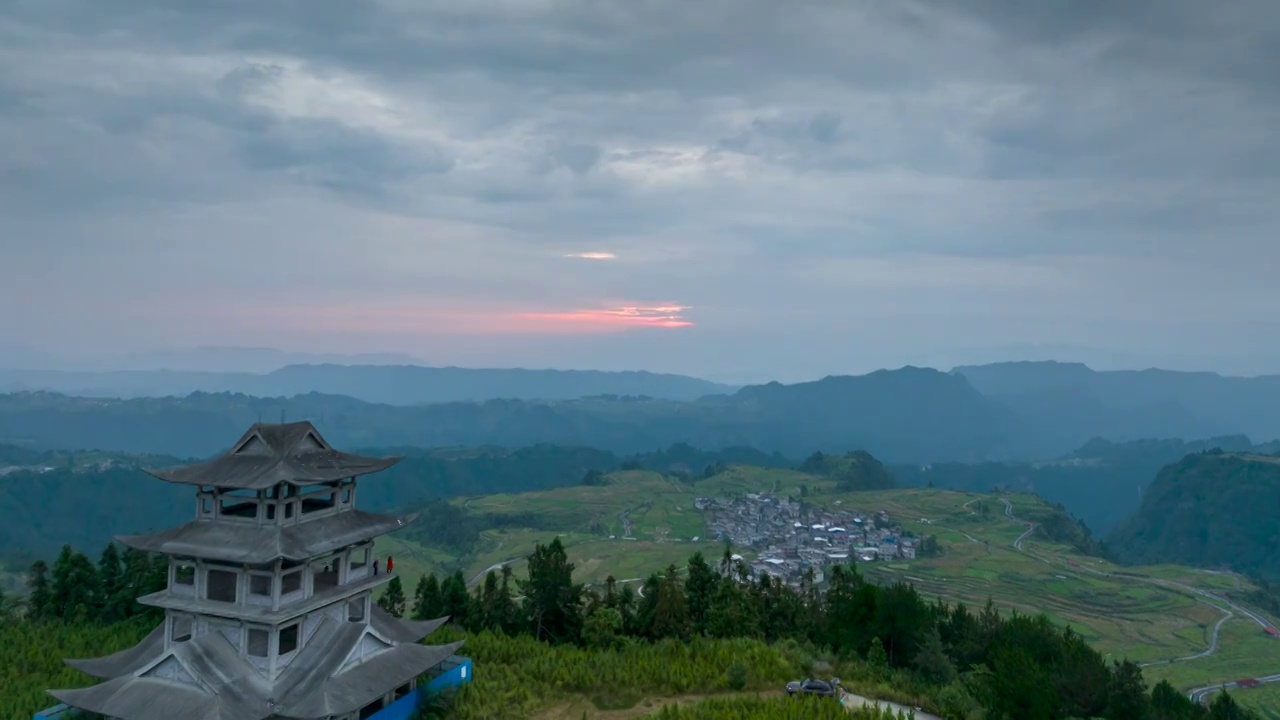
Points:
(1212, 509)
(950, 660)
(702, 628)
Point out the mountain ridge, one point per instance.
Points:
(393, 384)
(1210, 509)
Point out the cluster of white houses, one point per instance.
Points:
(269, 607)
(792, 537)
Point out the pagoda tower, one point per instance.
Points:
(269, 607)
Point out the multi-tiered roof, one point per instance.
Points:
(268, 609)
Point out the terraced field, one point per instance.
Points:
(641, 522)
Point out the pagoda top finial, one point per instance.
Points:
(269, 454)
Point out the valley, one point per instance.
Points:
(1189, 626)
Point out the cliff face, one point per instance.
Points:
(1211, 509)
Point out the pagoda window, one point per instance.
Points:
(260, 584)
(221, 585)
(288, 640)
(318, 501)
(239, 504)
(291, 582)
(184, 574)
(357, 608)
(271, 510)
(324, 575)
(180, 628)
(289, 509)
(205, 506)
(258, 643)
(358, 563)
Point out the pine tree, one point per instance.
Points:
(427, 603)
(74, 586)
(508, 610)
(877, 658)
(8, 607)
(39, 593)
(457, 601)
(931, 659)
(700, 589)
(1224, 707)
(487, 615)
(392, 599)
(1127, 693)
(112, 590)
(671, 613)
(552, 601)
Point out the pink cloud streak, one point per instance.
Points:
(409, 318)
(662, 316)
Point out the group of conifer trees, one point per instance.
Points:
(956, 659)
(75, 589)
(1015, 666)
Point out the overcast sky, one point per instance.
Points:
(740, 190)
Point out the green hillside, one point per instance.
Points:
(1153, 615)
(1211, 509)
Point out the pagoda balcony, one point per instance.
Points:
(280, 586)
(264, 614)
(256, 544)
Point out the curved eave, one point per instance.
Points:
(124, 662)
(356, 687)
(261, 473)
(403, 631)
(142, 699)
(249, 543)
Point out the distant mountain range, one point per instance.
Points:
(392, 384)
(1007, 412)
(1102, 482)
(209, 359)
(1068, 403)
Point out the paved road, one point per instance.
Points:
(492, 568)
(851, 701)
(1215, 601)
(1199, 694)
(1031, 527)
(1213, 643)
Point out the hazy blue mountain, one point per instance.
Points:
(1030, 411)
(379, 383)
(1068, 403)
(906, 415)
(1102, 482)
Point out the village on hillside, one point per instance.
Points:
(792, 537)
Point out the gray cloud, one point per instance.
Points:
(782, 168)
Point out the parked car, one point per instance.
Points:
(814, 686)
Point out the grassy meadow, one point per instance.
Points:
(1121, 611)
